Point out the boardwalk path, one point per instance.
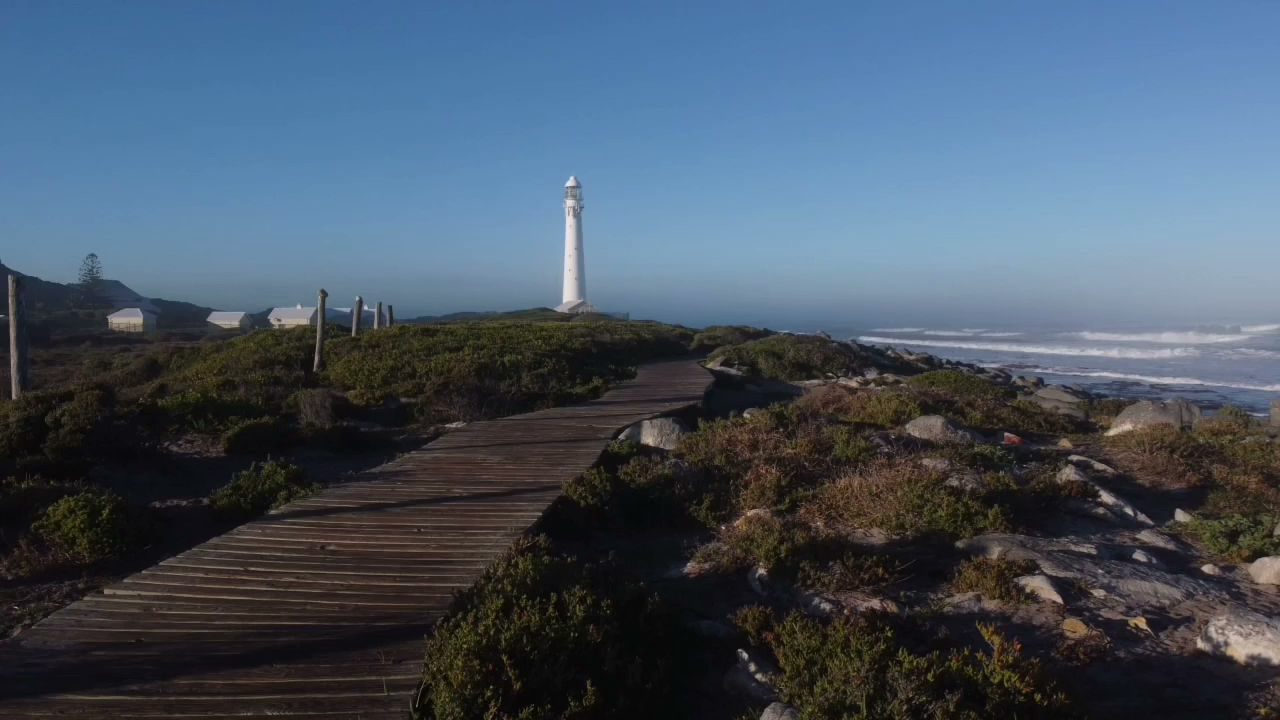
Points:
(318, 610)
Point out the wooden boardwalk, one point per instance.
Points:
(318, 610)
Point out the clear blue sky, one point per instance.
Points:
(785, 163)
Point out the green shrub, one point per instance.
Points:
(542, 637)
(202, 411)
(795, 357)
(88, 526)
(756, 622)
(79, 425)
(718, 336)
(262, 487)
(960, 385)
(993, 578)
(64, 425)
(638, 492)
(854, 669)
(259, 436)
(883, 408)
(1237, 538)
(903, 498)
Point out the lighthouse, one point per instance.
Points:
(574, 297)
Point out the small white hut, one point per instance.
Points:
(292, 317)
(135, 320)
(228, 320)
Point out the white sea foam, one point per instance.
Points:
(950, 333)
(1251, 353)
(1260, 328)
(1166, 338)
(896, 330)
(1152, 379)
(1030, 349)
(1000, 334)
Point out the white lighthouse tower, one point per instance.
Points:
(574, 299)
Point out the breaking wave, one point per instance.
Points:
(1168, 338)
(1074, 350)
(950, 333)
(901, 330)
(1154, 379)
(1260, 328)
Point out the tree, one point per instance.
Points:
(91, 281)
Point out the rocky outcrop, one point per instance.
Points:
(1265, 570)
(1061, 399)
(1040, 586)
(938, 429)
(1147, 413)
(1244, 636)
(662, 433)
(1127, 584)
(1108, 506)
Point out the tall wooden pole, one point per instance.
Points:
(356, 313)
(320, 315)
(377, 317)
(391, 315)
(19, 380)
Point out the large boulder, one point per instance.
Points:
(938, 429)
(1265, 570)
(1244, 636)
(1061, 399)
(1121, 511)
(779, 711)
(662, 433)
(1147, 413)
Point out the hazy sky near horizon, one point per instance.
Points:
(791, 164)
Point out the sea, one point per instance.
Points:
(1212, 366)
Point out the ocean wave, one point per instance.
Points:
(950, 333)
(1251, 353)
(1075, 350)
(901, 330)
(1260, 328)
(1167, 338)
(1154, 379)
(1000, 334)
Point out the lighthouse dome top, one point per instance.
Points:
(573, 182)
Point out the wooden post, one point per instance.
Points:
(19, 380)
(1275, 413)
(377, 317)
(320, 310)
(356, 312)
(391, 315)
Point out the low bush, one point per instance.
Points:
(1236, 538)
(89, 526)
(903, 498)
(260, 488)
(628, 489)
(259, 436)
(993, 578)
(796, 357)
(718, 336)
(201, 411)
(541, 637)
(961, 386)
(854, 669)
(885, 408)
(63, 426)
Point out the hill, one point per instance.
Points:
(47, 299)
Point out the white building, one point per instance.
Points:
(292, 317)
(134, 320)
(574, 297)
(230, 320)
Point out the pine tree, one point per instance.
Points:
(91, 281)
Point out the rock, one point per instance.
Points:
(967, 481)
(1132, 586)
(1091, 464)
(1061, 399)
(1148, 413)
(758, 579)
(938, 429)
(751, 412)
(938, 464)
(1040, 586)
(1265, 570)
(456, 424)
(1066, 444)
(752, 676)
(1008, 438)
(779, 711)
(1117, 505)
(1030, 383)
(1143, 557)
(1155, 538)
(662, 433)
(1244, 636)
(817, 606)
(1211, 569)
(1181, 516)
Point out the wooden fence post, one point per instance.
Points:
(320, 311)
(356, 313)
(391, 315)
(19, 380)
(377, 317)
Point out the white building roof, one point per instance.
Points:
(292, 313)
(130, 314)
(573, 182)
(225, 316)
